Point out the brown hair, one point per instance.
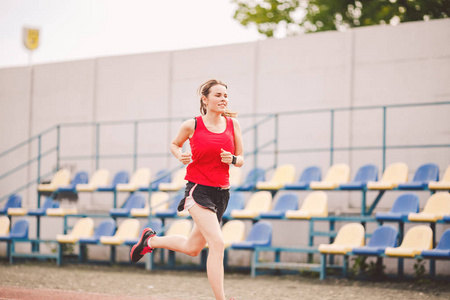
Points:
(204, 90)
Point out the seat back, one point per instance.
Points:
(100, 177)
(316, 203)
(106, 227)
(236, 201)
(155, 224)
(384, 236)
(286, 202)
(141, 177)
(367, 173)
(311, 174)
(163, 176)
(284, 174)
(426, 173)
(396, 173)
(351, 234)
(159, 201)
(444, 242)
(81, 177)
(406, 203)
(446, 176)
(255, 175)
(84, 227)
(180, 227)
(261, 232)
(62, 177)
(233, 231)
(136, 200)
(418, 237)
(235, 176)
(14, 201)
(4, 225)
(128, 229)
(259, 201)
(338, 173)
(120, 177)
(178, 177)
(20, 229)
(438, 203)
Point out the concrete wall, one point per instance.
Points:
(378, 65)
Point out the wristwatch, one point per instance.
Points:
(234, 159)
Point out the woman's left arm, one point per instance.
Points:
(238, 144)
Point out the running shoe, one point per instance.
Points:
(141, 248)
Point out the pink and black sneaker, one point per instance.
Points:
(141, 248)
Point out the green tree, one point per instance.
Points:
(296, 16)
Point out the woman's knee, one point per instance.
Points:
(217, 245)
(194, 251)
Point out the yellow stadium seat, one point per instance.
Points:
(417, 239)
(127, 230)
(349, 236)
(336, 175)
(443, 184)
(140, 178)
(180, 227)
(393, 175)
(158, 202)
(4, 225)
(61, 178)
(437, 206)
(100, 178)
(17, 211)
(178, 182)
(83, 228)
(314, 205)
(259, 202)
(284, 174)
(61, 211)
(235, 176)
(233, 231)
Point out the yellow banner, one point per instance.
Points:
(31, 38)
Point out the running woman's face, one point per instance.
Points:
(217, 99)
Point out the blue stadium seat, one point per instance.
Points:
(284, 203)
(443, 248)
(365, 174)
(14, 201)
(155, 224)
(136, 200)
(49, 203)
(160, 178)
(255, 175)
(106, 227)
(120, 177)
(171, 212)
(383, 237)
(403, 205)
(309, 174)
(423, 175)
(81, 177)
(18, 231)
(446, 219)
(237, 201)
(260, 235)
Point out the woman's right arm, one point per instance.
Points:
(185, 132)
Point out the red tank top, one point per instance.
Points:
(206, 167)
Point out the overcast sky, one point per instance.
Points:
(78, 29)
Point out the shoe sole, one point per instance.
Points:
(140, 241)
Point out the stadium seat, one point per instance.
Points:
(233, 232)
(180, 227)
(443, 184)
(136, 200)
(283, 174)
(443, 248)
(394, 174)
(159, 201)
(61, 178)
(336, 175)
(84, 227)
(19, 231)
(163, 176)
(284, 203)
(259, 202)
(254, 176)
(154, 224)
(309, 174)
(416, 240)
(365, 174)
(236, 202)
(128, 229)
(178, 182)
(437, 206)
(49, 203)
(383, 237)
(14, 201)
(106, 227)
(403, 206)
(140, 178)
(235, 177)
(260, 235)
(422, 177)
(314, 205)
(100, 178)
(81, 177)
(4, 225)
(121, 177)
(61, 211)
(349, 236)
(170, 212)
